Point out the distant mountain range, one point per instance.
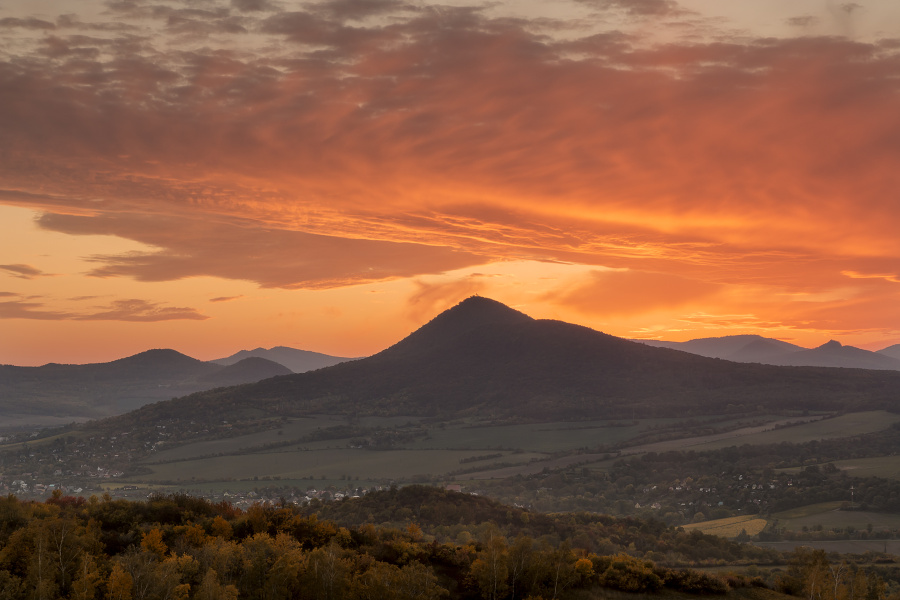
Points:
(298, 361)
(483, 359)
(758, 349)
(54, 391)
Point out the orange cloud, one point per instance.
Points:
(119, 310)
(348, 142)
(614, 293)
(23, 271)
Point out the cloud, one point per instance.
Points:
(249, 251)
(24, 271)
(225, 298)
(119, 310)
(639, 7)
(891, 277)
(29, 23)
(618, 293)
(351, 142)
(431, 298)
(8, 295)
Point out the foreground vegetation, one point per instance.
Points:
(185, 547)
(182, 547)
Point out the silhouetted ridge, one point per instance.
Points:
(249, 369)
(485, 360)
(474, 317)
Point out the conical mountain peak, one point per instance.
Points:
(830, 345)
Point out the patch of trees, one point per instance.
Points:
(182, 548)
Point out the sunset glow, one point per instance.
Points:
(217, 175)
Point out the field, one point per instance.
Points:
(829, 517)
(436, 450)
(352, 463)
(882, 466)
(731, 527)
(815, 429)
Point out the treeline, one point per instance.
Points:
(180, 548)
(680, 487)
(451, 516)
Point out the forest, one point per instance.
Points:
(181, 547)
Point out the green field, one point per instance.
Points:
(541, 437)
(439, 450)
(334, 463)
(821, 429)
(881, 466)
(828, 516)
(290, 430)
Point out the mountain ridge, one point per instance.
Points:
(481, 358)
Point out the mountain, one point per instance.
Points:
(892, 351)
(764, 350)
(249, 369)
(728, 346)
(758, 349)
(834, 354)
(102, 389)
(483, 359)
(298, 361)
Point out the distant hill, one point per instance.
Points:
(103, 389)
(758, 349)
(249, 369)
(727, 347)
(834, 354)
(486, 360)
(892, 351)
(298, 361)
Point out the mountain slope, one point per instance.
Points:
(249, 369)
(484, 359)
(102, 389)
(834, 354)
(298, 361)
(892, 351)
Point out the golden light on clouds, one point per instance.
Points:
(328, 175)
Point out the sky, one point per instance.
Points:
(218, 175)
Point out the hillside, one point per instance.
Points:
(484, 359)
(835, 354)
(758, 349)
(103, 389)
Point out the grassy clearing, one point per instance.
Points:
(730, 527)
(839, 546)
(292, 429)
(887, 467)
(823, 429)
(334, 463)
(540, 437)
(827, 516)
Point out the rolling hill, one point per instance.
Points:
(103, 389)
(484, 359)
(758, 349)
(298, 361)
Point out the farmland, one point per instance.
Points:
(730, 527)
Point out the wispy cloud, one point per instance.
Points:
(133, 310)
(24, 271)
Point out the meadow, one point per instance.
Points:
(730, 527)
(343, 463)
(435, 451)
(828, 516)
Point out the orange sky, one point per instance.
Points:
(214, 175)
